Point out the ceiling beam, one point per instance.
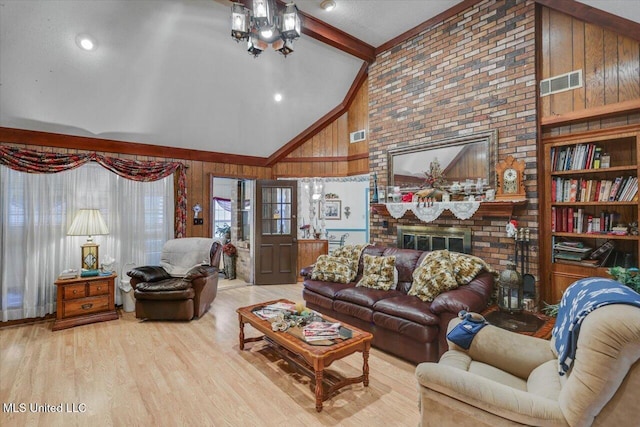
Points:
(332, 36)
(324, 121)
(325, 33)
(606, 20)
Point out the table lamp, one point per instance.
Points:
(88, 222)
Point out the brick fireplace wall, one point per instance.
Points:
(471, 73)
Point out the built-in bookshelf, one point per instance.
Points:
(590, 204)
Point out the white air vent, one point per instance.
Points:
(357, 136)
(561, 83)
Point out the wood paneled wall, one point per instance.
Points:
(199, 190)
(329, 153)
(358, 120)
(610, 64)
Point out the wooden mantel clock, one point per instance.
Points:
(510, 179)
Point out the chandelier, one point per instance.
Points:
(265, 26)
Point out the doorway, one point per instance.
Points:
(232, 220)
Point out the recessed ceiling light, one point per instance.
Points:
(328, 5)
(86, 42)
(277, 97)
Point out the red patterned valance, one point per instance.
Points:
(40, 162)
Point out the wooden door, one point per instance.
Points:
(276, 232)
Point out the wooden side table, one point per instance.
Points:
(527, 323)
(85, 300)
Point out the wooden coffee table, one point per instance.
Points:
(312, 359)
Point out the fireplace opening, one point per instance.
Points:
(425, 238)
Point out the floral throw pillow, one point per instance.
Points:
(466, 267)
(433, 276)
(352, 253)
(378, 272)
(332, 269)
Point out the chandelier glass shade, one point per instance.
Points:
(265, 26)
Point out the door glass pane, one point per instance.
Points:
(276, 210)
(266, 226)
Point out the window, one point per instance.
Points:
(37, 209)
(221, 216)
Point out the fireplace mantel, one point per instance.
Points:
(502, 208)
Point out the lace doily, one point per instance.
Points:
(461, 210)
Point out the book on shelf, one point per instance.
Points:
(596, 158)
(577, 244)
(631, 190)
(600, 250)
(605, 188)
(585, 262)
(569, 255)
(574, 247)
(570, 220)
(624, 188)
(581, 262)
(614, 188)
(619, 230)
(583, 190)
(593, 194)
(573, 190)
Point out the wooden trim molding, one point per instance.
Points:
(631, 106)
(320, 124)
(586, 13)
(47, 139)
(325, 159)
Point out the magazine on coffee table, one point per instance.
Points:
(274, 310)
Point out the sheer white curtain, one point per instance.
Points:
(37, 209)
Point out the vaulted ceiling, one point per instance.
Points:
(168, 73)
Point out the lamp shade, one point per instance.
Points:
(240, 21)
(290, 22)
(88, 222)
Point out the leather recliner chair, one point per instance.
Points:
(185, 283)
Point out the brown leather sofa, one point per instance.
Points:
(401, 324)
(174, 291)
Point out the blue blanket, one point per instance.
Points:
(580, 299)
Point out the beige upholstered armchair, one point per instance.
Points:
(507, 379)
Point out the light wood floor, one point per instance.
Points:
(128, 372)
